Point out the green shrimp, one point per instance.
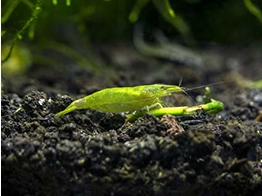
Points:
(123, 99)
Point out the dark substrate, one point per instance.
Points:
(93, 153)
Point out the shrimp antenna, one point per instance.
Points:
(180, 81)
(184, 90)
(202, 86)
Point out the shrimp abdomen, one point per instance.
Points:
(120, 100)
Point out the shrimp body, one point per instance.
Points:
(123, 99)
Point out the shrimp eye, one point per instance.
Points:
(163, 87)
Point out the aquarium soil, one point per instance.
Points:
(93, 153)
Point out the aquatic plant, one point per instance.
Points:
(253, 9)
